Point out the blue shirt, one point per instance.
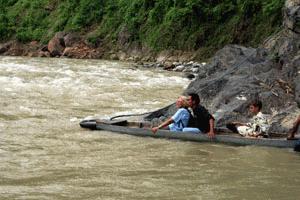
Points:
(180, 118)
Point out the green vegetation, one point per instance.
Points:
(158, 24)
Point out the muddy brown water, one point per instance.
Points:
(44, 154)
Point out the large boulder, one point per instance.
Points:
(235, 76)
(71, 39)
(124, 36)
(57, 45)
(4, 47)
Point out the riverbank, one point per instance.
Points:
(70, 45)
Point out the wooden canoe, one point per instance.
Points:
(143, 129)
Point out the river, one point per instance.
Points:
(44, 154)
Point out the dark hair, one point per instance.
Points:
(256, 103)
(195, 97)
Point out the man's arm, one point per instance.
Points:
(211, 132)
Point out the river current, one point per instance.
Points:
(44, 154)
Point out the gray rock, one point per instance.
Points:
(179, 68)
(124, 36)
(71, 39)
(4, 47)
(292, 15)
(195, 70)
(189, 76)
(235, 76)
(56, 45)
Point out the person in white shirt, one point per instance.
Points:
(258, 125)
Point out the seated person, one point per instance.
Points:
(201, 121)
(293, 131)
(179, 120)
(258, 125)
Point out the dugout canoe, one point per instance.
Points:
(143, 129)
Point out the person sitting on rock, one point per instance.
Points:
(258, 125)
(201, 121)
(293, 130)
(179, 120)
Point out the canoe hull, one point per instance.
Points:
(226, 139)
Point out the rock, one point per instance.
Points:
(114, 57)
(15, 49)
(148, 65)
(130, 59)
(45, 48)
(121, 55)
(159, 65)
(292, 15)
(179, 68)
(124, 36)
(190, 63)
(187, 69)
(4, 47)
(82, 51)
(34, 43)
(162, 56)
(235, 76)
(189, 76)
(71, 39)
(43, 54)
(297, 89)
(70, 52)
(56, 45)
(195, 70)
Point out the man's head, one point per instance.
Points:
(194, 99)
(255, 106)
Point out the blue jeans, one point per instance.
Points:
(192, 130)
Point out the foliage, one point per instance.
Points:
(158, 24)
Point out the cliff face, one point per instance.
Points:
(135, 30)
(237, 74)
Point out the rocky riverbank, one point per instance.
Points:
(71, 45)
(74, 45)
(237, 74)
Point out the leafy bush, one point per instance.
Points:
(158, 24)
